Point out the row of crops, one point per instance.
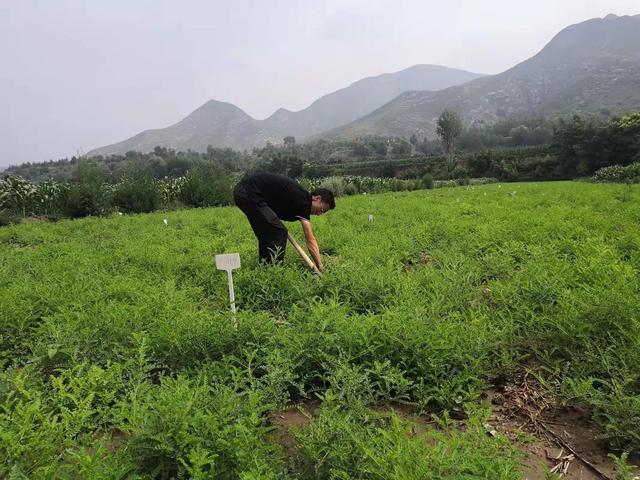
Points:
(139, 192)
(19, 197)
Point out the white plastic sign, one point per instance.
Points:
(229, 262)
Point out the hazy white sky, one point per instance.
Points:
(76, 75)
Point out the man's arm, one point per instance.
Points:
(312, 244)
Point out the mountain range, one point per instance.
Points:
(222, 124)
(590, 67)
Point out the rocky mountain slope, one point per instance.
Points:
(363, 97)
(591, 67)
(224, 125)
(215, 123)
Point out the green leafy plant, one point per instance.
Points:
(119, 357)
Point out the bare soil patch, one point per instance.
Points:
(554, 438)
(295, 416)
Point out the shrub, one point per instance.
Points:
(206, 186)
(445, 183)
(356, 444)
(137, 192)
(460, 173)
(87, 196)
(188, 428)
(335, 184)
(617, 173)
(427, 181)
(350, 189)
(397, 185)
(6, 218)
(482, 181)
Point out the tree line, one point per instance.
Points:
(576, 146)
(164, 178)
(300, 159)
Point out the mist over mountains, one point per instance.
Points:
(592, 67)
(589, 68)
(222, 124)
(363, 97)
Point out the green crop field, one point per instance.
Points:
(119, 360)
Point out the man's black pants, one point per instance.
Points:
(271, 233)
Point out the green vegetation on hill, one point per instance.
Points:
(119, 359)
(167, 179)
(513, 149)
(162, 162)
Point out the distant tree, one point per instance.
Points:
(289, 141)
(427, 181)
(137, 191)
(388, 170)
(281, 162)
(429, 147)
(400, 147)
(379, 145)
(360, 149)
(449, 129)
(295, 166)
(160, 151)
(86, 195)
(206, 185)
(413, 140)
(177, 166)
(475, 138)
(585, 145)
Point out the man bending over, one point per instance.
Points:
(267, 199)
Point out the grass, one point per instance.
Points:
(120, 328)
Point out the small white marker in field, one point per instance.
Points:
(165, 221)
(371, 217)
(120, 213)
(229, 262)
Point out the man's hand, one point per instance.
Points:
(312, 244)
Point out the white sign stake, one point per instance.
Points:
(229, 262)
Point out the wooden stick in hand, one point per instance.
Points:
(312, 266)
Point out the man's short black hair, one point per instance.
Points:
(326, 196)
